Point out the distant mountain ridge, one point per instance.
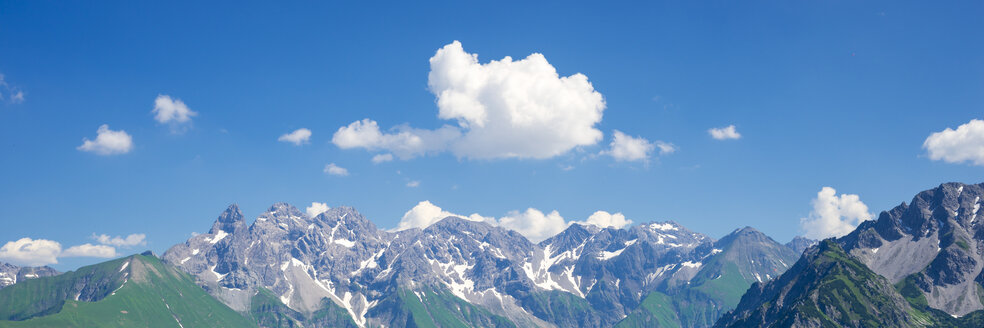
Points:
(11, 274)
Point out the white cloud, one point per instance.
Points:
(725, 133)
(413, 184)
(316, 209)
(32, 252)
(108, 142)
(604, 219)
(172, 111)
(298, 137)
(333, 169)
(665, 148)
(531, 223)
(380, 158)
(628, 148)
(965, 144)
(17, 97)
(534, 224)
(503, 109)
(128, 241)
(425, 213)
(404, 141)
(89, 250)
(834, 216)
(35, 252)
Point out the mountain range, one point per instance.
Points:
(916, 265)
(473, 273)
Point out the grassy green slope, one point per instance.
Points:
(149, 294)
(563, 309)
(656, 310)
(436, 307)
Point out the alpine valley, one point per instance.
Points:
(919, 264)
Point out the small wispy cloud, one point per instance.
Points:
(626, 148)
(108, 142)
(10, 94)
(380, 158)
(333, 169)
(316, 208)
(665, 148)
(173, 112)
(725, 133)
(297, 137)
(89, 250)
(136, 239)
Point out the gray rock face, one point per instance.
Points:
(800, 244)
(301, 259)
(614, 269)
(938, 239)
(11, 274)
(341, 256)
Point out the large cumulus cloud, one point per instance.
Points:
(501, 109)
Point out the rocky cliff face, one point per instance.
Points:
(918, 264)
(937, 240)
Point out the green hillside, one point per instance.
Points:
(135, 291)
(435, 307)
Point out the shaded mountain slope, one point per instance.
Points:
(825, 288)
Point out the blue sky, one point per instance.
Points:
(830, 94)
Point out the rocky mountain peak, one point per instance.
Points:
(744, 235)
(282, 209)
(800, 244)
(669, 233)
(454, 224)
(347, 216)
(573, 236)
(229, 221)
